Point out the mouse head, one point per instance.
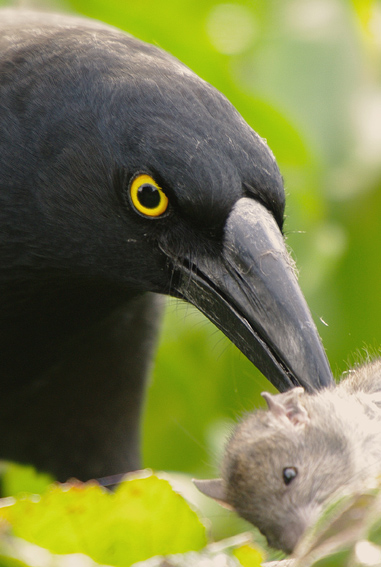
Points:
(280, 466)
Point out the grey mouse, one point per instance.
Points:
(282, 464)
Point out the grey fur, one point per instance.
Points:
(332, 438)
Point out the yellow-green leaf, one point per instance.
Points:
(143, 518)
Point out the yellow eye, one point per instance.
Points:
(147, 197)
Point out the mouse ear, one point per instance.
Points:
(287, 407)
(214, 488)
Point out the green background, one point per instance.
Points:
(305, 74)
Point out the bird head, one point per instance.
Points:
(142, 173)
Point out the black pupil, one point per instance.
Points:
(289, 473)
(149, 196)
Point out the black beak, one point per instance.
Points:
(251, 293)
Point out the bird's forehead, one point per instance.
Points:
(156, 115)
(189, 134)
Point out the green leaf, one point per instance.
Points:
(336, 559)
(11, 562)
(248, 556)
(143, 518)
(18, 478)
(15, 552)
(374, 534)
(364, 9)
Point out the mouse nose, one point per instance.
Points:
(291, 536)
(295, 528)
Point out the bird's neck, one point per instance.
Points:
(97, 352)
(56, 313)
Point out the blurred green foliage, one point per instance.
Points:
(139, 523)
(306, 75)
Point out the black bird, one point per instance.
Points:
(124, 176)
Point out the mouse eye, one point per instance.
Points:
(289, 473)
(147, 197)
